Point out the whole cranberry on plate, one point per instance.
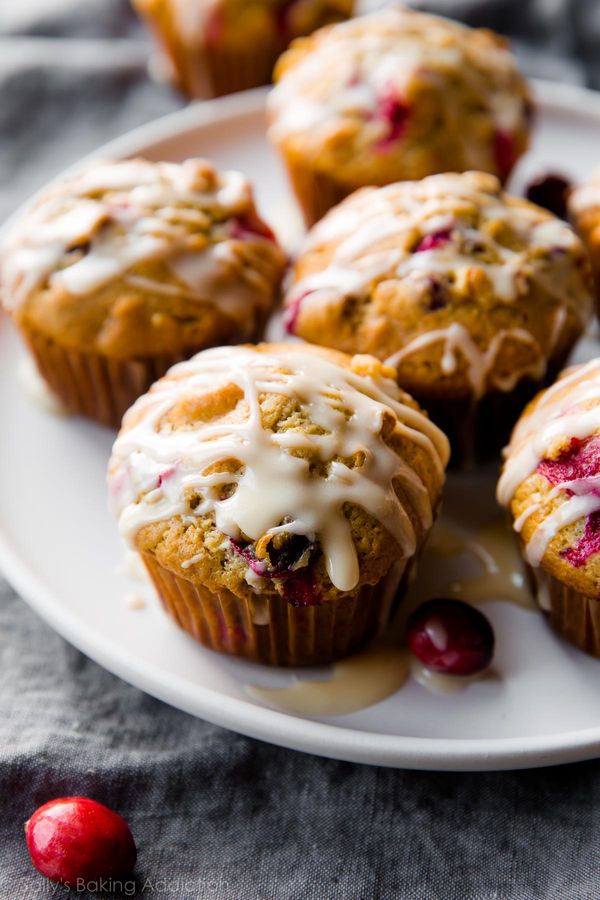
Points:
(75, 839)
(450, 637)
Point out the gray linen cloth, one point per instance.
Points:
(217, 815)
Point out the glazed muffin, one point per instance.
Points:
(124, 268)
(215, 47)
(475, 296)
(584, 212)
(393, 96)
(279, 496)
(550, 484)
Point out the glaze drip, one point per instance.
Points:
(273, 489)
(565, 418)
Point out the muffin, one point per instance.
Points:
(394, 96)
(279, 496)
(584, 212)
(475, 296)
(215, 47)
(550, 484)
(124, 268)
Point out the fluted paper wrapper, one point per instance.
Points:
(93, 385)
(228, 71)
(316, 193)
(573, 615)
(270, 630)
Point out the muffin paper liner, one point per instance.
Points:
(93, 385)
(573, 615)
(228, 71)
(288, 636)
(316, 193)
(478, 430)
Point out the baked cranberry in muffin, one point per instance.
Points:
(122, 269)
(391, 96)
(476, 297)
(279, 496)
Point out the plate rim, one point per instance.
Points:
(244, 716)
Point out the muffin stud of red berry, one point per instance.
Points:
(278, 496)
(216, 47)
(475, 296)
(392, 96)
(124, 268)
(551, 486)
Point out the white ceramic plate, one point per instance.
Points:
(59, 545)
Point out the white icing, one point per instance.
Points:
(130, 212)
(347, 71)
(559, 413)
(457, 340)
(153, 467)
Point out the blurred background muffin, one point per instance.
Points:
(475, 296)
(216, 47)
(391, 96)
(551, 485)
(583, 207)
(279, 496)
(123, 268)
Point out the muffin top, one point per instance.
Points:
(284, 468)
(448, 278)
(551, 478)
(399, 89)
(138, 258)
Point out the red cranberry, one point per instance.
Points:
(450, 636)
(292, 312)
(587, 545)
(250, 225)
(581, 459)
(506, 153)
(395, 112)
(550, 191)
(433, 241)
(77, 838)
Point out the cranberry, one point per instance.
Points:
(292, 312)
(550, 191)
(450, 636)
(580, 460)
(506, 153)
(433, 241)
(587, 545)
(395, 112)
(214, 27)
(299, 586)
(77, 838)
(250, 225)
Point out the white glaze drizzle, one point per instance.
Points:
(559, 413)
(457, 340)
(356, 61)
(273, 485)
(436, 204)
(130, 212)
